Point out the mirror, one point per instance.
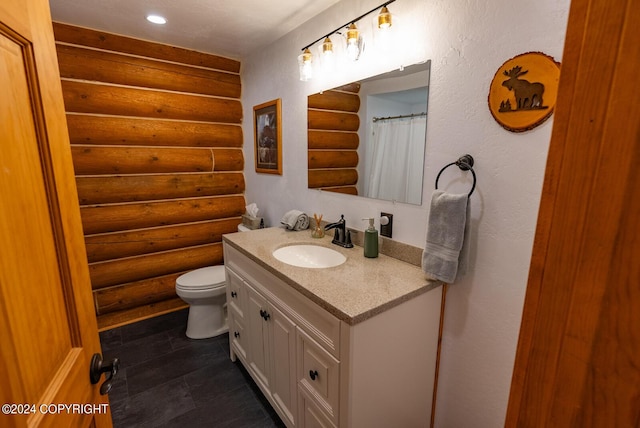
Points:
(368, 138)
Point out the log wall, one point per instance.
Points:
(156, 141)
(333, 124)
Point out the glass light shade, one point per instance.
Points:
(305, 65)
(384, 18)
(329, 53)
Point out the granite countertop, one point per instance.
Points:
(353, 291)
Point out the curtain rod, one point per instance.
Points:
(345, 25)
(424, 113)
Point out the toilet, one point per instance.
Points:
(204, 290)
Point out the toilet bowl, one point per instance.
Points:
(204, 290)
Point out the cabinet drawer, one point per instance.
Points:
(310, 415)
(237, 334)
(236, 297)
(318, 375)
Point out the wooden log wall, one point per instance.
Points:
(156, 140)
(333, 124)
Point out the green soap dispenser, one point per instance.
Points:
(370, 240)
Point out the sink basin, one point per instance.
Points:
(309, 256)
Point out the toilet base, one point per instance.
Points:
(206, 321)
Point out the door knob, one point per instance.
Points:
(97, 367)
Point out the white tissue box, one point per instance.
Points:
(251, 222)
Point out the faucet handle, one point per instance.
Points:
(336, 234)
(347, 240)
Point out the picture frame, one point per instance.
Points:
(267, 126)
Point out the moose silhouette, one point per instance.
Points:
(528, 95)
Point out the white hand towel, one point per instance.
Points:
(295, 220)
(448, 220)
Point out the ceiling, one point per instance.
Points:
(231, 28)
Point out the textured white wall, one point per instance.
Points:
(467, 40)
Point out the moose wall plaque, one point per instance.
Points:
(523, 91)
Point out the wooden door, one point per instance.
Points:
(48, 330)
(578, 358)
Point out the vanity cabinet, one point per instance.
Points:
(320, 370)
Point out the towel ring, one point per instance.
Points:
(465, 163)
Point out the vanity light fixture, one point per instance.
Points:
(157, 19)
(355, 43)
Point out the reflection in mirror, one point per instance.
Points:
(368, 138)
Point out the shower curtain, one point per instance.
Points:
(395, 173)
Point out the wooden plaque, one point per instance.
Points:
(524, 90)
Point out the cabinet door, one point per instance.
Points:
(258, 340)
(283, 363)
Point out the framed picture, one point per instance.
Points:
(268, 137)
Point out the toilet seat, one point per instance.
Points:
(206, 278)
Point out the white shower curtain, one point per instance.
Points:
(395, 173)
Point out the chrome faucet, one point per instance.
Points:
(342, 235)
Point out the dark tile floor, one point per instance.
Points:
(169, 380)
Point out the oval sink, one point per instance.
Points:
(309, 256)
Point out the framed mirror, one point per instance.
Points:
(368, 138)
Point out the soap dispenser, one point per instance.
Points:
(370, 240)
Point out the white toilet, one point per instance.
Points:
(204, 290)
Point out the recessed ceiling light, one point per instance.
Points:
(156, 19)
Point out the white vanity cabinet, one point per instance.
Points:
(320, 369)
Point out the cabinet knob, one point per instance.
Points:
(236, 334)
(234, 294)
(313, 374)
(264, 314)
